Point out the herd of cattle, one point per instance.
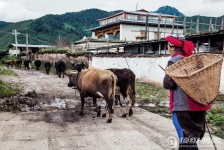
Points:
(107, 84)
(60, 66)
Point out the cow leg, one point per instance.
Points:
(132, 104)
(116, 99)
(119, 99)
(105, 111)
(98, 107)
(126, 109)
(98, 110)
(94, 102)
(104, 114)
(110, 109)
(82, 106)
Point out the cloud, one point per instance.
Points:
(14, 10)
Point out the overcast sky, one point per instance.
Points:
(19, 10)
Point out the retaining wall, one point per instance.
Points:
(145, 69)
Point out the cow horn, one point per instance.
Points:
(68, 74)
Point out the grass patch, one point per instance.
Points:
(151, 92)
(4, 71)
(220, 97)
(219, 133)
(215, 116)
(8, 89)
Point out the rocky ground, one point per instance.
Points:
(45, 116)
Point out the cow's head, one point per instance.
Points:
(72, 79)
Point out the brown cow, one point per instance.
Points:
(95, 83)
(9, 62)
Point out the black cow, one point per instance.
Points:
(37, 63)
(60, 68)
(79, 67)
(17, 63)
(126, 84)
(27, 64)
(47, 66)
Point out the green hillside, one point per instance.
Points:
(69, 27)
(6, 36)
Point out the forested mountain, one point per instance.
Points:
(169, 11)
(73, 26)
(48, 29)
(3, 24)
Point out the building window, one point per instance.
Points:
(169, 20)
(111, 20)
(142, 34)
(103, 22)
(157, 36)
(117, 36)
(120, 17)
(111, 36)
(150, 18)
(132, 17)
(101, 37)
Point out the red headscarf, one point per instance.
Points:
(187, 46)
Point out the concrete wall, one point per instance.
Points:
(13, 52)
(145, 69)
(130, 32)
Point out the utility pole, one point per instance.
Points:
(146, 28)
(184, 23)
(172, 32)
(15, 32)
(197, 25)
(26, 46)
(159, 20)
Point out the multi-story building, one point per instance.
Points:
(135, 26)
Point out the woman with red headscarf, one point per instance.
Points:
(188, 116)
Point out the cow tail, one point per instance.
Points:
(114, 78)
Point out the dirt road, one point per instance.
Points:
(64, 129)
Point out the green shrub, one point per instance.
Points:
(8, 89)
(216, 110)
(9, 57)
(219, 133)
(215, 119)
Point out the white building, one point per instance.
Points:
(133, 26)
(21, 48)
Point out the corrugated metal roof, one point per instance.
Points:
(37, 46)
(134, 22)
(138, 13)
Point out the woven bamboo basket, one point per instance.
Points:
(198, 76)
